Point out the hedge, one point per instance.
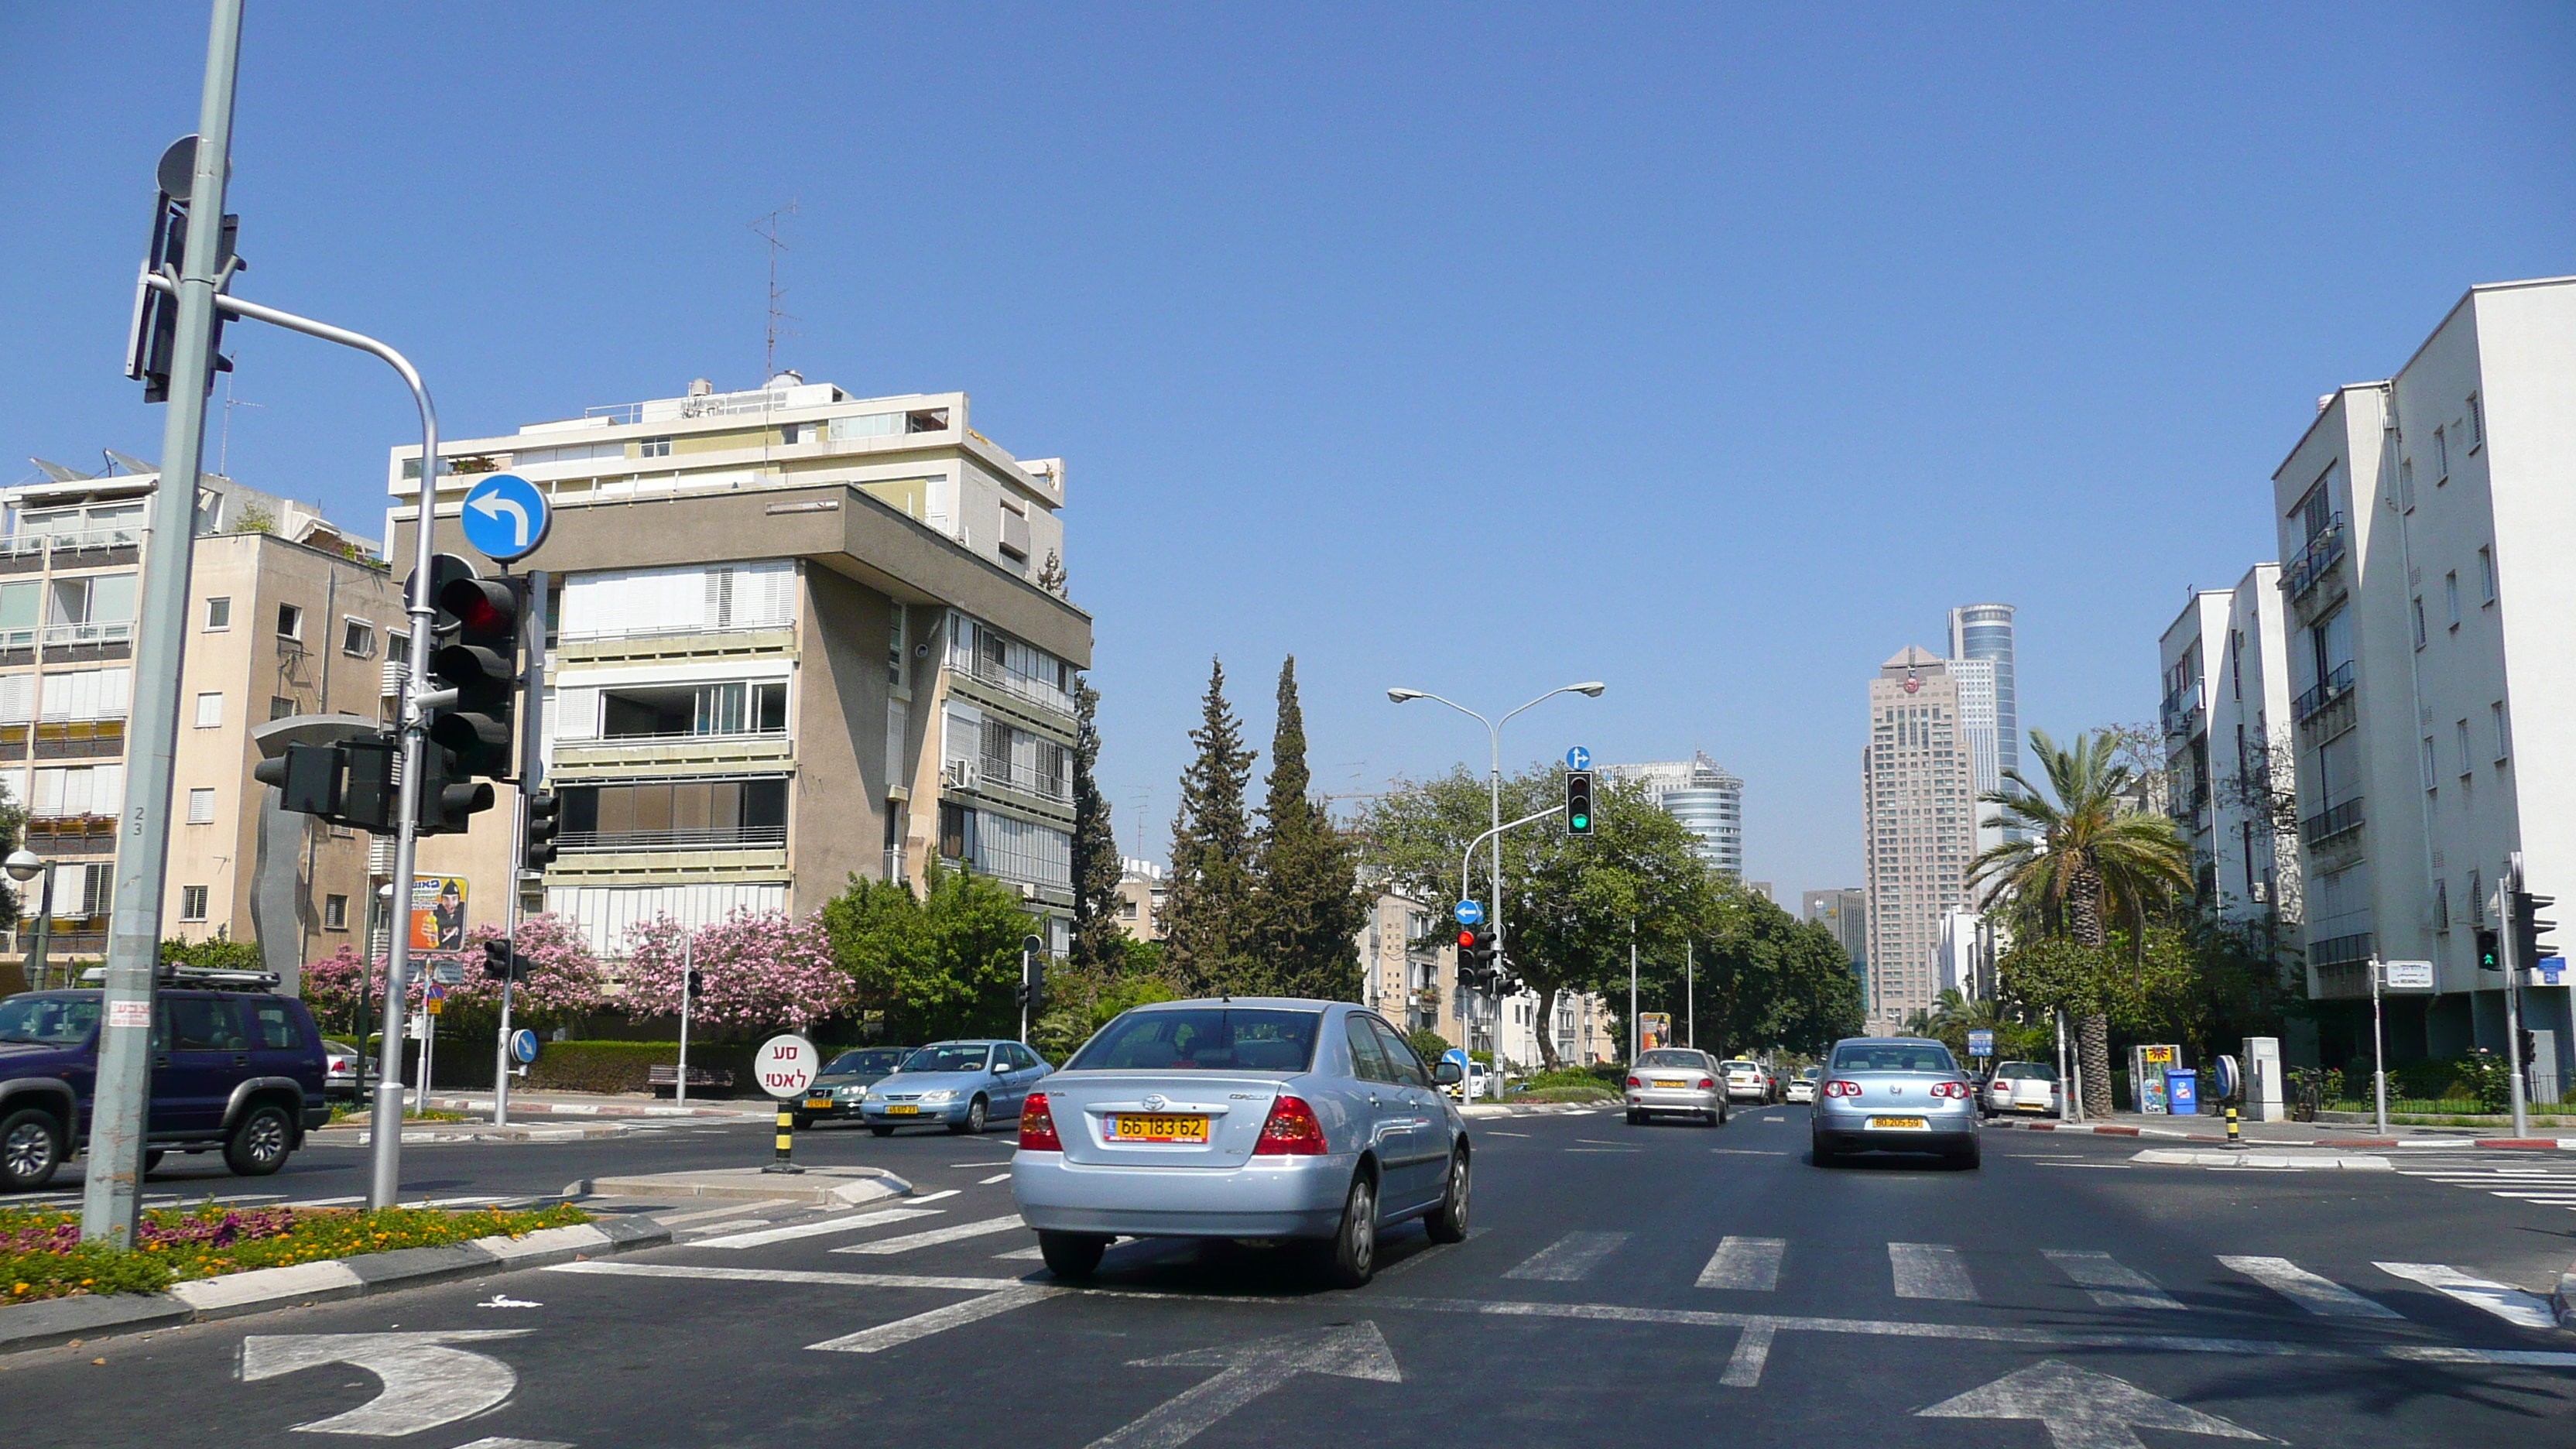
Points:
(42, 1255)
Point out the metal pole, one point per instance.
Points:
(44, 933)
(688, 967)
(532, 671)
(2378, 1056)
(1025, 954)
(1690, 993)
(2514, 966)
(111, 1188)
(1632, 988)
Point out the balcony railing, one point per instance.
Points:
(1001, 774)
(106, 631)
(673, 737)
(2322, 553)
(1027, 687)
(2343, 819)
(2181, 709)
(2329, 689)
(720, 837)
(112, 536)
(2341, 950)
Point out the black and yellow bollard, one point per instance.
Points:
(786, 1159)
(2234, 1137)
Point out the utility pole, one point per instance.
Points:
(1690, 994)
(2509, 899)
(111, 1188)
(1632, 988)
(2378, 1055)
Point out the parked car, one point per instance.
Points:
(238, 1071)
(1678, 1081)
(1802, 1087)
(1251, 1117)
(961, 1085)
(347, 1071)
(1746, 1081)
(843, 1083)
(1894, 1094)
(2022, 1087)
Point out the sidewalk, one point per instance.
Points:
(2283, 1134)
(599, 1104)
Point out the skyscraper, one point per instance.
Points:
(1846, 914)
(1990, 712)
(1917, 812)
(1707, 800)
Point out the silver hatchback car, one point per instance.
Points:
(1249, 1117)
(1894, 1094)
(1675, 1080)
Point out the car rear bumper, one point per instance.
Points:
(1648, 1099)
(942, 1114)
(1278, 1197)
(1952, 1130)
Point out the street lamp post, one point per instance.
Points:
(1590, 689)
(23, 866)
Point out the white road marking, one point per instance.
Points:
(935, 1236)
(1499, 1132)
(2112, 1283)
(729, 1225)
(1752, 1352)
(2082, 1409)
(2551, 1197)
(813, 1229)
(1568, 1258)
(980, 1162)
(705, 1213)
(935, 1196)
(494, 1441)
(325, 1202)
(1605, 1149)
(426, 1382)
(1930, 1270)
(1750, 1265)
(2320, 1296)
(2514, 1306)
(996, 1177)
(937, 1320)
(1031, 1254)
(1349, 1350)
(626, 1268)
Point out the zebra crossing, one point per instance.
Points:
(2542, 1184)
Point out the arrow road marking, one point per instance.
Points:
(493, 505)
(2082, 1410)
(1351, 1351)
(426, 1383)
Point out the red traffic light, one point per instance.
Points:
(1466, 939)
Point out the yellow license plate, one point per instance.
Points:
(1916, 1123)
(902, 1109)
(1668, 1083)
(818, 1104)
(1158, 1129)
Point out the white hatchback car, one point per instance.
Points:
(1802, 1087)
(2022, 1087)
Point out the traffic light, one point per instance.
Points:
(1475, 955)
(1032, 971)
(482, 667)
(450, 798)
(2529, 929)
(1578, 802)
(154, 335)
(695, 984)
(307, 778)
(503, 964)
(545, 811)
(347, 782)
(2490, 951)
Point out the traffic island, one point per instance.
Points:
(816, 1186)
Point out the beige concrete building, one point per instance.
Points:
(1407, 973)
(796, 636)
(1918, 812)
(1141, 893)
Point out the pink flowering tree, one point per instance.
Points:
(563, 979)
(758, 971)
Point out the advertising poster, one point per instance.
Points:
(2147, 1065)
(438, 913)
(1654, 1029)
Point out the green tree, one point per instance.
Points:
(19, 899)
(1208, 921)
(218, 952)
(2085, 865)
(939, 965)
(1306, 881)
(1764, 978)
(1098, 939)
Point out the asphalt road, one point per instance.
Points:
(1622, 1284)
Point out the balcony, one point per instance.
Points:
(2332, 824)
(718, 837)
(1010, 681)
(2329, 689)
(2341, 950)
(999, 774)
(2315, 561)
(2182, 711)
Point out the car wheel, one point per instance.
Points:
(1968, 1161)
(1636, 1118)
(1822, 1151)
(259, 1142)
(1448, 1222)
(799, 1123)
(1072, 1255)
(876, 1131)
(31, 1147)
(1721, 1111)
(1349, 1258)
(973, 1126)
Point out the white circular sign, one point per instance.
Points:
(786, 1065)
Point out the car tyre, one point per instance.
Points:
(31, 1148)
(1721, 1111)
(799, 1123)
(1636, 1118)
(973, 1126)
(1822, 1151)
(1448, 1222)
(1969, 1160)
(259, 1142)
(876, 1131)
(1349, 1258)
(1072, 1255)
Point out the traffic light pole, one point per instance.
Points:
(111, 1189)
(2514, 966)
(532, 769)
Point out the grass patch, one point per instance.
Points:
(42, 1256)
(343, 1113)
(1566, 1094)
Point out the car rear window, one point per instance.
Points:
(48, 1020)
(1202, 1039)
(2027, 1071)
(1692, 1060)
(1893, 1056)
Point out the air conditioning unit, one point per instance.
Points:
(959, 775)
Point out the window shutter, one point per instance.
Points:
(576, 714)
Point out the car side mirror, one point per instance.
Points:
(1001, 1069)
(1447, 1074)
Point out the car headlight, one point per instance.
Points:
(874, 1097)
(939, 1096)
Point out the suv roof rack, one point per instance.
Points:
(206, 978)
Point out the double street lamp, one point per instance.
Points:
(1494, 737)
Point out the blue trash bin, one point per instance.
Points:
(2182, 1092)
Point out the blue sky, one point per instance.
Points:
(1709, 352)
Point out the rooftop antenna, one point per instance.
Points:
(224, 445)
(767, 229)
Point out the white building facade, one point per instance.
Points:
(1707, 800)
(1917, 807)
(2230, 750)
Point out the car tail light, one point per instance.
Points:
(1632, 1081)
(1840, 1088)
(1291, 1130)
(1950, 1089)
(1705, 1084)
(1037, 1126)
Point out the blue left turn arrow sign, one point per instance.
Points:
(505, 516)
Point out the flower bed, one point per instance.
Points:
(42, 1256)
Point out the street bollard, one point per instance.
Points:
(786, 1160)
(2234, 1138)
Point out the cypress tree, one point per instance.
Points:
(1207, 917)
(1309, 903)
(1098, 940)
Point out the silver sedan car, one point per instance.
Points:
(1250, 1117)
(1894, 1094)
(1677, 1081)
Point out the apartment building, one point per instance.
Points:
(795, 636)
(1707, 800)
(1408, 965)
(286, 615)
(1141, 893)
(1917, 816)
(2229, 747)
(2425, 523)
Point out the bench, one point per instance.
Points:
(667, 1074)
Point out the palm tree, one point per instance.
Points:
(2084, 859)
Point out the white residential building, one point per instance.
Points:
(2229, 746)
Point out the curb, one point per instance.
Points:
(61, 1320)
(591, 1109)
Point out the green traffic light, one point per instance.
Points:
(1582, 822)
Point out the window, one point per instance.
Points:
(756, 707)
(787, 434)
(2431, 773)
(78, 790)
(335, 913)
(2315, 510)
(2419, 621)
(2477, 423)
(2477, 902)
(1127, 910)
(91, 609)
(2486, 575)
(2441, 905)
(357, 638)
(2503, 738)
(2460, 734)
(210, 711)
(2406, 484)
(219, 614)
(290, 622)
(2441, 456)
(956, 824)
(273, 1024)
(192, 903)
(201, 806)
(684, 814)
(894, 649)
(279, 707)
(2451, 597)
(654, 447)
